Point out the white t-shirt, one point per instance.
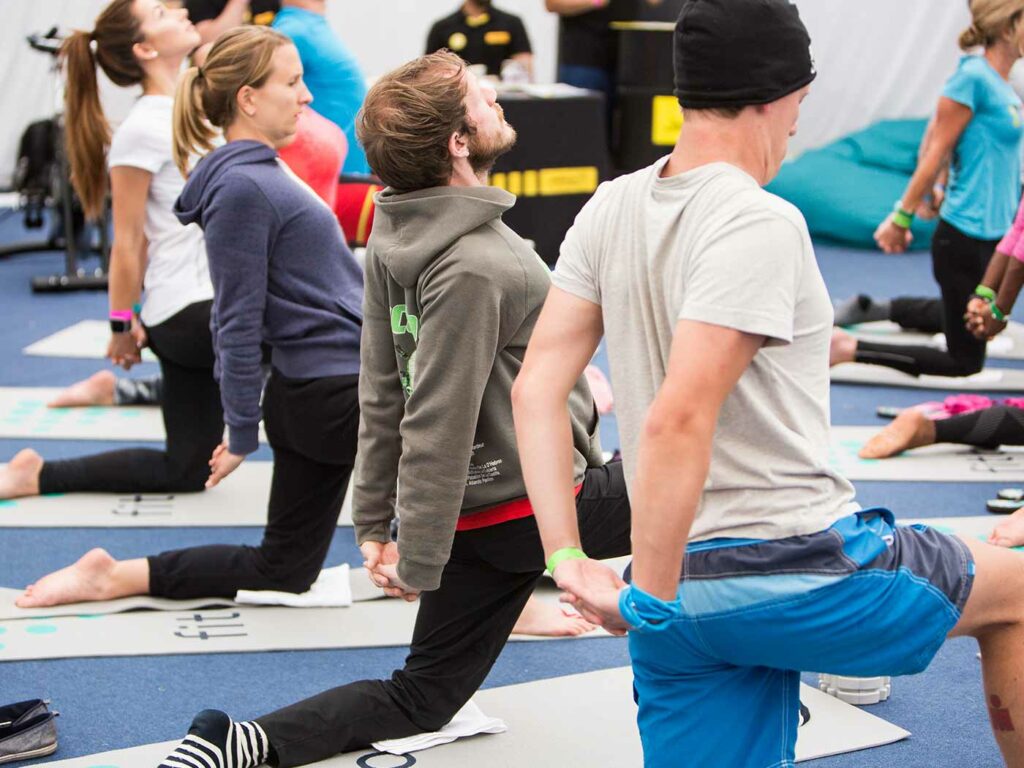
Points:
(711, 245)
(177, 273)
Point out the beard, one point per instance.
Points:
(484, 151)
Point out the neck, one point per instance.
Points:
(473, 8)
(463, 175)
(1001, 56)
(314, 6)
(243, 131)
(161, 76)
(736, 142)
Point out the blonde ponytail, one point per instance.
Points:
(990, 20)
(192, 132)
(971, 38)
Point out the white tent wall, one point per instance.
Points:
(876, 58)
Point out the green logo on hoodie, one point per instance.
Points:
(403, 322)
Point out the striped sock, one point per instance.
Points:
(214, 741)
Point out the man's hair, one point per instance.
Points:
(408, 117)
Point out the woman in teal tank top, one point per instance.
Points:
(977, 130)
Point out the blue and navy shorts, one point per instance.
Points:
(720, 686)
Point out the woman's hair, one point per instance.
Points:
(206, 95)
(989, 20)
(408, 117)
(87, 132)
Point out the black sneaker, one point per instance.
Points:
(27, 730)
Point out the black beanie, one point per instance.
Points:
(734, 53)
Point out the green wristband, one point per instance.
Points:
(902, 219)
(985, 292)
(997, 313)
(561, 555)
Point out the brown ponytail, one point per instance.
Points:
(990, 20)
(971, 38)
(206, 96)
(191, 130)
(87, 133)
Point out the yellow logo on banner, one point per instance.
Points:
(498, 37)
(548, 182)
(666, 121)
(457, 42)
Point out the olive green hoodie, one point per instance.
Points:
(452, 295)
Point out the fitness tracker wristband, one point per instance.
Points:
(997, 313)
(559, 556)
(120, 321)
(985, 292)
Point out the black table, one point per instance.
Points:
(560, 158)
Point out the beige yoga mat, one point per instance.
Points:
(933, 463)
(1008, 345)
(24, 415)
(239, 500)
(977, 527)
(86, 339)
(578, 720)
(988, 380)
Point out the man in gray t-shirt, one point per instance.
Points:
(750, 558)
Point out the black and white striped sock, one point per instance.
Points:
(214, 741)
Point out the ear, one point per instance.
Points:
(458, 145)
(144, 51)
(245, 100)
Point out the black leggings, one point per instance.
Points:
(461, 628)
(311, 426)
(988, 428)
(192, 414)
(958, 264)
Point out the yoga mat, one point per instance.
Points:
(24, 415)
(577, 720)
(239, 500)
(1008, 345)
(234, 629)
(362, 590)
(988, 380)
(974, 527)
(86, 339)
(934, 463)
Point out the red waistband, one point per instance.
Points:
(503, 513)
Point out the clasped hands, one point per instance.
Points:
(592, 588)
(381, 563)
(980, 321)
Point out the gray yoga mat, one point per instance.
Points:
(546, 720)
(239, 500)
(86, 339)
(24, 415)
(1008, 345)
(232, 629)
(988, 380)
(933, 463)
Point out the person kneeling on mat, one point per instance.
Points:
(751, 561)
(452, 295)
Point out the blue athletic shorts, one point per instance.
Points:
(719, 688)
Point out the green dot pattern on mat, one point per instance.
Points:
(90, 616)
(3, 630)
(2, 646)
(102, 766)
(41, 629)
(8, 503)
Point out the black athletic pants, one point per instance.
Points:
(958, 264)
(312, 426)
(192, 416)
(461, 629)
(987, 428)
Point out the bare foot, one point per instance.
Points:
(548, 620)
(1010, 532)
(98, 389)
(21, 475)
(843, 348)
(910, 429)
(88, 579)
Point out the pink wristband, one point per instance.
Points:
(121, 314)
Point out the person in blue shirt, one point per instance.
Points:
(977, 130)
(332, 73)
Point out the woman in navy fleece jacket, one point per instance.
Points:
(283, 279)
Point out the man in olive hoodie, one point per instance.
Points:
(452, 296)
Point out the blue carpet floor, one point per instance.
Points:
(115, 703)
